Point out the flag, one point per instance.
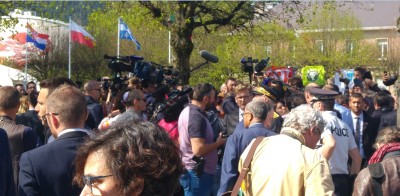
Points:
(125, 33)
(78, 34)
(38, 39)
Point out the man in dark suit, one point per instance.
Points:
(7, 187)
(365, 127)
(20, 138)
(31, 118)
(92, 94)
(233, 106)
(383, 104)
(48, 170)
(46, 88)
(257, 116)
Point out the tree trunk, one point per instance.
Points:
(182, 46)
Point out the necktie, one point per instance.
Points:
(357, 132)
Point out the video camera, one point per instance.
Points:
(144, 70)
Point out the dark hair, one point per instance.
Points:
(230, 79)
(328, 104)
(137, 153)
(202, 90)
(356, 95)
(53, 83)
(9, 97)
(383, 100)
(295, 100)
(132, 95)
(31, 82)
(342, 99)
(296, 82)
(332, 87)
(32, 98)
(360, 70)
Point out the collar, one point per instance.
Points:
(293, 133)
(256, 124)
(330, 113)
(72, 130)
(361, 116)
(6, 118)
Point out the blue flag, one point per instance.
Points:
(125, 33)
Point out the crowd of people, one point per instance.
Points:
(268, 138)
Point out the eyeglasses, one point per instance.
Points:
(243, 97)
(49, 113)
(89, 180)
(97, 89)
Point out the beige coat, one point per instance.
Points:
(285, 166)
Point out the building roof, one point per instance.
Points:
(377, 13)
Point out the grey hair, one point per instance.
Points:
(303, 118)
(259, 109)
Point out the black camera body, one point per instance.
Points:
(247, 64)
(261, 66)
(199, 167)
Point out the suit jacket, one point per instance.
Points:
(387, 116)
(95, 113)
(231, 113)
(7, 187)
(235, 145)
(369, 132)
(31, 119)
(48, 170)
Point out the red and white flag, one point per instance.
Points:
(78, 34)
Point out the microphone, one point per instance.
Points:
(208, 56)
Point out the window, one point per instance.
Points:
(319, 45)
(349, 46)
(383, 48)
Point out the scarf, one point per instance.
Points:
(382, 151)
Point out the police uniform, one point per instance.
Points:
(272, 94)
(344, 139)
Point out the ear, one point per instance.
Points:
(54, 120)
(206, 99)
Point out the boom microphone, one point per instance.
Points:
(208, 56)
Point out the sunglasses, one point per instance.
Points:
(89, 180)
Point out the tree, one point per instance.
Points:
(183, 17)
(332, 38)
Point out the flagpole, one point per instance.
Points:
(118, 36)
(69, 50)
(26, 54)
(169, 47)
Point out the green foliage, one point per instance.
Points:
(335, 29)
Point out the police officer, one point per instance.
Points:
(337, 142)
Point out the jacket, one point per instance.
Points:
(390, 182)
(294, 170)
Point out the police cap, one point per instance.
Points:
(322, 94)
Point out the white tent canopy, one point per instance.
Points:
(10, 76)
